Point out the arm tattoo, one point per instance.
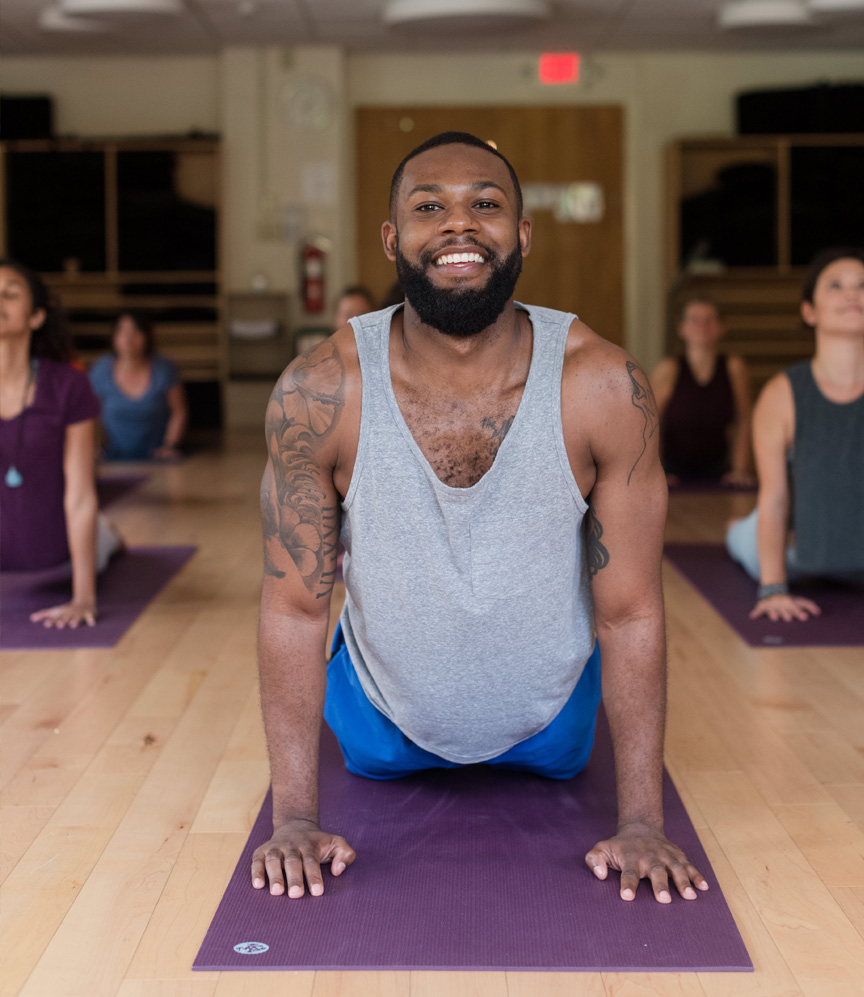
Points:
(303, 411)
(643, 399)
(499, 431)
(598, 556)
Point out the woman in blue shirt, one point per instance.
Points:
(144, 410)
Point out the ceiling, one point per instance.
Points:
(357, 25)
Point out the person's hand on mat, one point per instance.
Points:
(640, 851)
(71, 614)
(743, 479)
(786, 608)
(170, 455)
(296, 853)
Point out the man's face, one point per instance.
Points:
(457, 239)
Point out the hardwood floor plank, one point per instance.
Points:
(818, 943)
(186, 907)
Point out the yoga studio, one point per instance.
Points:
(432, 498)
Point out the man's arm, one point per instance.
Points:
(300, 517)
(624, 533)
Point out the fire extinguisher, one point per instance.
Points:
(312, 260)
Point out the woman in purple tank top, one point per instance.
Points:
(48, 414)
(703, 399)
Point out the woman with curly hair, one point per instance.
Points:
(48, 417)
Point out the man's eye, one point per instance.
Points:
(487, 204)
(427, 207)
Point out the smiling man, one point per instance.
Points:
(492, 470)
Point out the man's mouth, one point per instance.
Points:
(449, 258)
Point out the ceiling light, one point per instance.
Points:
(835, 6)
(55, 19)
(450, 15)
(764, 14)
(119, 8)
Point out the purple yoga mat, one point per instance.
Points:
(111, 488)
(125, 588)
(732, 592)
(473, 868)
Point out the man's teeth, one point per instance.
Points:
(459, 258)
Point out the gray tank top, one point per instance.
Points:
(468, 612)
(827, 474)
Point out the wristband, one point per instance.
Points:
(766, 591)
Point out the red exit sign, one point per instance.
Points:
(558, 67)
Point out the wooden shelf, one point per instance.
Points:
(760, 304)
(93, 298)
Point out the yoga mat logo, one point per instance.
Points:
(251, 948)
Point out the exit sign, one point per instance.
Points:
(558, 67)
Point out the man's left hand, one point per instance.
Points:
(640, 851)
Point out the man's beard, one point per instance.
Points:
(457, 311)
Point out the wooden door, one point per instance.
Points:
(573, 265)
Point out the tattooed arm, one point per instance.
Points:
(300, 520)
(617, 421)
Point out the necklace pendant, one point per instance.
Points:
(13, 477)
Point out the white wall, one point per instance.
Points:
(664, 95)
(146, 95)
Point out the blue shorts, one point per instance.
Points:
(374, 747)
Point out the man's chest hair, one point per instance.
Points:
(459, 438)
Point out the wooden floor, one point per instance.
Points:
(131, 777)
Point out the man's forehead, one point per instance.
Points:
(455, 165)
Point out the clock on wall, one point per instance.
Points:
(308, 102)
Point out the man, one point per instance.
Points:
(473, 559)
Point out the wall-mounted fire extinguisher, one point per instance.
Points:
(312, 266)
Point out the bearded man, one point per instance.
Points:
(492, 470)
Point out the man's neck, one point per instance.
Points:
(459, 363)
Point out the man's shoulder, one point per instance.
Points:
(594, 361)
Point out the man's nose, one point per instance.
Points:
(457, 218)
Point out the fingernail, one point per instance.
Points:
(257, 883)
(665, 898)
(337, 867)
(276, 889)
(316, 889)
(295, 891)
(690, 893)
(628, 894)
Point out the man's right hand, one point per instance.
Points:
(295, 854)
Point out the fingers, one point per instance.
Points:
(61, 617)
(342, 856)
(291, 870)
(785, 608)
(596, 863)
(629, 883)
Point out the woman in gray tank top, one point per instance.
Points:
(808, 435)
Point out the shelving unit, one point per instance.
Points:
(125, 224)
(744, 215)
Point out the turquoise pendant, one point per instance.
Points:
(13, 477)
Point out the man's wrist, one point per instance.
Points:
(774, 588)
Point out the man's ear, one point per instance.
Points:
(390, 238)
(525, 235)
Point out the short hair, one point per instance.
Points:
(52, 340)
(697, 299)
(359, 290)
(824, 259)
(143, 323)
(451, 138)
